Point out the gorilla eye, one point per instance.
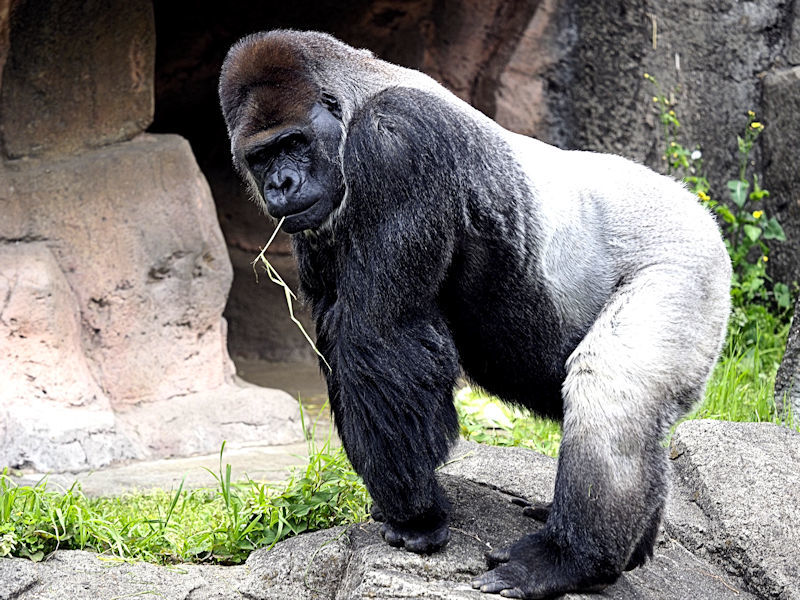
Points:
(332, 104)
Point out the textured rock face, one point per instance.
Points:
(113, 269)
(114, 278)
(715, 509)
(781, 107)
(78, 74)
(134, 231)
(53, 412)
(737, 501)
(787, 381)
(258, 318)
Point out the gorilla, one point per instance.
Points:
(430, 241)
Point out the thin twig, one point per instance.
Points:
(275, 277)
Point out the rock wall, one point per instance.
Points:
(113, 270)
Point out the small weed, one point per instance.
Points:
(221, 525)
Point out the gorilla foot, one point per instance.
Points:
(415, 540)
(533, 568)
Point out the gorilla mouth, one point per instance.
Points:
(307, 218)
(290, 209)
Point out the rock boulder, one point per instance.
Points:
(128, 279)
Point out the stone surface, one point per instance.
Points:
(736, 501)
(79, 575)
(45, 371)
(133, 229)
(261, 463)
(114, 276)
(259, 325)
(198, 423)
(527, 92)
(781, 175)
(794, 40)
(5, 13)
(787, 380)
(355, 563)
(79, 74)
(350, 563)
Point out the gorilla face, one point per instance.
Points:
(295, 166)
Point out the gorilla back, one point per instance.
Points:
(429, 240)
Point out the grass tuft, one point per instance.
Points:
(221, 525)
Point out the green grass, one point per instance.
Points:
(742, 385)
(221, 525)
(487, 420)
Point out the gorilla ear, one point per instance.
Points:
(332, 104)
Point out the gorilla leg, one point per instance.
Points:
(644, 547)
(625, 382)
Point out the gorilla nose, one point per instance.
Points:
(280, 191)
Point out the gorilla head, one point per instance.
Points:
(286, 132)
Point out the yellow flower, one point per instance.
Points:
(655, 99)
(757, 214)
(765, 258)
(703, 196)
(647, 75)
(756, 125)
(672, 113)
(751, 113)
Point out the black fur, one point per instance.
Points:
(429, 263)
(427, 256)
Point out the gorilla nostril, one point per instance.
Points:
(283, 181)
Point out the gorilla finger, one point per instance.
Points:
(491, 582)
(392, 537)
(512, 593)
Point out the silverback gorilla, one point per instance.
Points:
(430, 240)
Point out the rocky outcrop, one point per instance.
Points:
(115, 274)
(729, 533)
(736, 501)
(78, 75)
(113, 269)
(787, 380)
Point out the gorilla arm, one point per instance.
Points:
(394, 363)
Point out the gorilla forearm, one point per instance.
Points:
(391, 395)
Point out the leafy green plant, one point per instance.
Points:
(221, 525)
(759, 304)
